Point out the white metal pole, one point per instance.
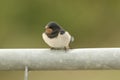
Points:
(73, 59)
(26, 73)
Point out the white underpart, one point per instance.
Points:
(60, 41)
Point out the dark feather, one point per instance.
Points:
(56, 30)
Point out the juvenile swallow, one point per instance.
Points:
(56, 37)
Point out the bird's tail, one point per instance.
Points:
(72, 39)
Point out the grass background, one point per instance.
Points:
(93, 23)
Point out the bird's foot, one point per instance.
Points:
(65, 48)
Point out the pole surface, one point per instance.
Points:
(73, 59)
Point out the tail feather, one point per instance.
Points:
(72, 39)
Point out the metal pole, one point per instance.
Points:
(73, 59)
(26, 73)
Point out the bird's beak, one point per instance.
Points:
(48, 30)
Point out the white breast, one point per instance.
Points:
(60, 41)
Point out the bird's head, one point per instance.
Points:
(52, 28)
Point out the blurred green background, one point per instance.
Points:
(93, 23)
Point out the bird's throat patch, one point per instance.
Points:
(48, 31)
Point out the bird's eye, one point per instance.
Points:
(51, 27)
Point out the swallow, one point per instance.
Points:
(56, 37)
